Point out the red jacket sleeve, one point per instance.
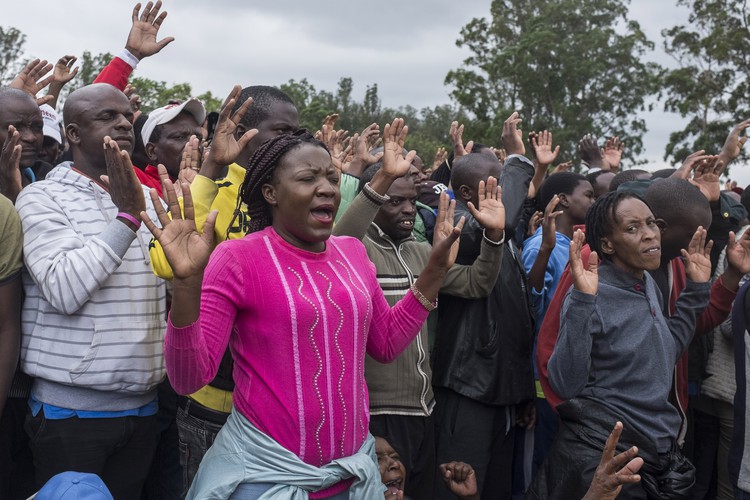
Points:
(116, 73)
(551, 327)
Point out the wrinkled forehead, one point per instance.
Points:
(15, 108)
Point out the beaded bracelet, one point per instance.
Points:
(130, 218)
(422, 299)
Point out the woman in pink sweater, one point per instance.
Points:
(299, 310)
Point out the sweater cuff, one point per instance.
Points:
(412, 307)
(580, 296)
(118, 237)
(129, 58)
(183, 337)
(722, 293)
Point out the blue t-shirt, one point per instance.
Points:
(558, 259)
(53, 412)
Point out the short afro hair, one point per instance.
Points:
(264, 97)
(559, 183)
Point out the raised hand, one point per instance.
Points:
(440, 155)
(460, 479)
(225, 147)
(733, 144)
(395, 164)
(614, 471)
(698, 257)
(589, 151)
(32, 79)
(445, 237)
(738, 253)
(456, 133)
(142, 37)
(584, 280)
(563, 167)
(542, 144)
(612, 153)
(706, 177)
(190, 164)
(64, 70)
(549, 226)
(186, 250)
(500, 154)
(513, 136)
(692, 162)
(730, 185)
(11, 182)
(491, 212)
(124, 188)
(534, 222)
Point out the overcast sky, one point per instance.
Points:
(404, 46)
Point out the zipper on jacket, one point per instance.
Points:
(420, 348)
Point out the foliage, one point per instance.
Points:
(712, 83)
(11, 50)
(568, 66)
(428, 128)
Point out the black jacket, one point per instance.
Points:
(484, 346)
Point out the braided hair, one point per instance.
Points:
(260, 170)
(602, 217)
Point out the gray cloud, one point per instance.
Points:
(406, 47)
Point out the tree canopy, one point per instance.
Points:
(711, 85)
(568, 66)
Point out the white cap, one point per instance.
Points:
(51, 122)
(169, 112)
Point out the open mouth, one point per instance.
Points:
(406, 224)
(323, 214)
(652, 251)
(394, 486)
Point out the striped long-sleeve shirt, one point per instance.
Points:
(93, 318)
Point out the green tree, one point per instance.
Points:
(11, 50)
(711, 84)
(569, 66)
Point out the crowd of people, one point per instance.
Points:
(223, 305)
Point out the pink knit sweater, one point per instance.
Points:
(298, 324)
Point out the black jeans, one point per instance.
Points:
(483, 436)
(119, 450)
(197, 427)
(414, 440)
(165, 478)
(16, 462)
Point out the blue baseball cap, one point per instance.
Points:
(74, 486)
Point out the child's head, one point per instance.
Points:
(575, 193)
(392, 470)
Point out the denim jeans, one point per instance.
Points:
(196, 435)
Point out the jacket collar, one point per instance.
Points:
(617, 277)
(380, 238)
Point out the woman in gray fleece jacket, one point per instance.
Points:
(616, 351)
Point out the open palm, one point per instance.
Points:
(584, 280)
(395, 164)
(186, 250)
(738, 252)
(445, 236)
(698, 257)
(491, 212)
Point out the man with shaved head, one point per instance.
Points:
(482, 357)
(93, 318)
